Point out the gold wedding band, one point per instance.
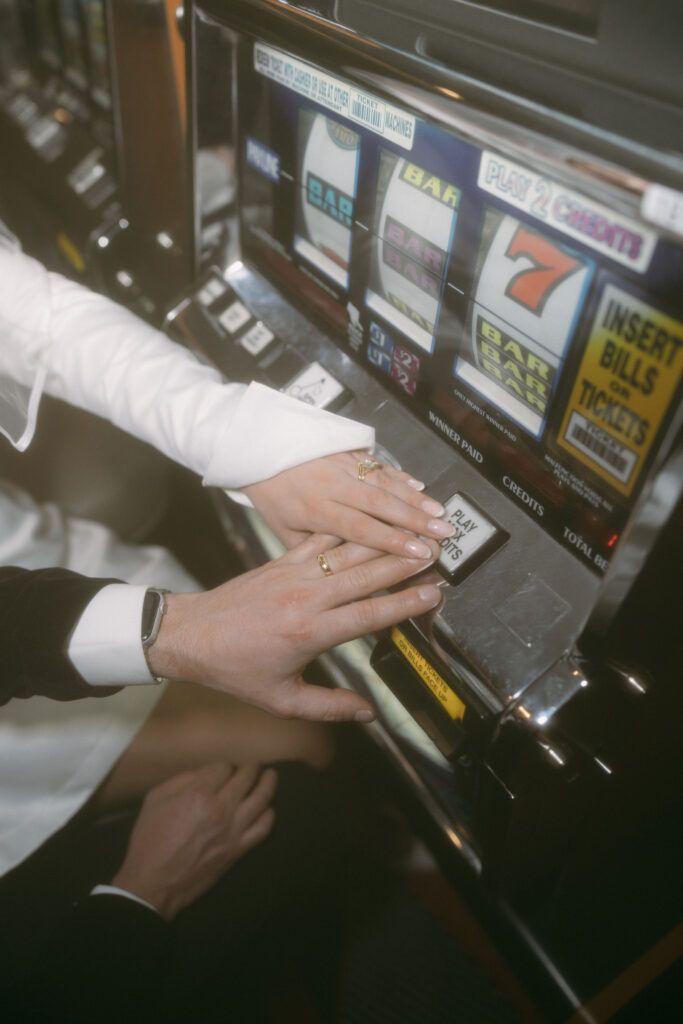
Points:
(366, 466)
(324, 564)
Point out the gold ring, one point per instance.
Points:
(366, 466)
(324, 564)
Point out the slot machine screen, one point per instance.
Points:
(326, 179)
(535, 327)
(98, 56)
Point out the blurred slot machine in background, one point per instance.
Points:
(465, 226)
(148, 263)
(59, 174)
(92, 182)
(92, 123)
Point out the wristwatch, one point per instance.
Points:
(153, 608)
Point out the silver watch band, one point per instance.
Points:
(153, 610)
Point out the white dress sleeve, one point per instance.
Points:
(102, 358)
(23, 347)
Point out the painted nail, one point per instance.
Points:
(418, 549)
(417, 484)
(430, 595)
(440, 528)
(432, 508)
(364, 716)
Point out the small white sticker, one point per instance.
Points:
(663, 206)
(472, 531)
(21, 109)
(393, 123)
(211, 290)
(257, 338)
(599, 446)
(86, 174)
(43, 131)
(315, 386)
(234, 317)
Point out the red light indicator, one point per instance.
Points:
(613, 539)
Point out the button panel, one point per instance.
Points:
(252, 350)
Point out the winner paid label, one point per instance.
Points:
(629, 375)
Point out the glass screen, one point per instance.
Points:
(537, 330)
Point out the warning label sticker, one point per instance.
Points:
(436, 683)
(337, 95)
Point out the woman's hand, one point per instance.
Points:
(326, 496)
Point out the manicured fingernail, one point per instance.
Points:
(364, 716)
(418, 549)
(417, 484)
(432, 508)
(430, 595)
(440, 528)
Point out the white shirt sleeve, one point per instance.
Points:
(113, 890)
(105, 646)
(103, 358)
(23, 348)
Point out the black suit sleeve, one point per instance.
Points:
(104, 963)
(38, 612)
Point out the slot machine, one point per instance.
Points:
(87, 128)
(60, 173)
(465, 226)
(12, 43)
(144, 259)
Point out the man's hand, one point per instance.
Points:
(253, 636)
(191, 829)
(325, 495)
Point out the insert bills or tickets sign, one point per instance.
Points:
(602, 229)
(336, 95)
(629, 375)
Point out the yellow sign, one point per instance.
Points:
(439, 687)
(629, 374)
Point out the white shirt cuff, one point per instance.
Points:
(113, 890)
(105, 646)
